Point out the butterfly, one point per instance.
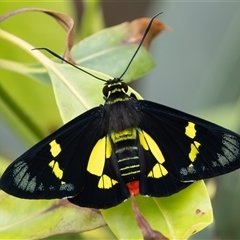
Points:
(128, 146)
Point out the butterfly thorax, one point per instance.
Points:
(120, 109)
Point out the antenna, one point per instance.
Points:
(64, 60)
(101, 79)
(140, 44)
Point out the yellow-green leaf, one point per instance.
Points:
(176, 217)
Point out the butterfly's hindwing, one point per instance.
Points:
(103, 181)
(155, 178)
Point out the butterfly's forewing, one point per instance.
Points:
(72, 163)
(155, 179)
(192, 148)
(56, 166)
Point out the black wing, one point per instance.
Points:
(192, 149)
(56, 167)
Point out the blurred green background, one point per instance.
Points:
(197, 71)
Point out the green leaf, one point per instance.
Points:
(34, 219)
(110, 50)
(176, 217)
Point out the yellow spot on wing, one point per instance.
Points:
(147, 142)
(108, 148)
(194, 151)
(55, 148)
(106, 182)
(158, 171)
(190, 130)
(55, 168)
(100, 152)
(143, 141)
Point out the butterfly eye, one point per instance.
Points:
(105, 91)
(124, 87)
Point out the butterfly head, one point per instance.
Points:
(114, 86)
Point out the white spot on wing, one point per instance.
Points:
(51, 188)
(184, 171)
(191, 170)
(31, 185)
(232, 144)
(203, 168)
(222, 159)
(24, 181)
(228, 154)
(19, 171)
(187, 170)
(41, 187)
(215, 164)
(67, 187)
(230, 149)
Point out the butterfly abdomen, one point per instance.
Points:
(126, 150)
